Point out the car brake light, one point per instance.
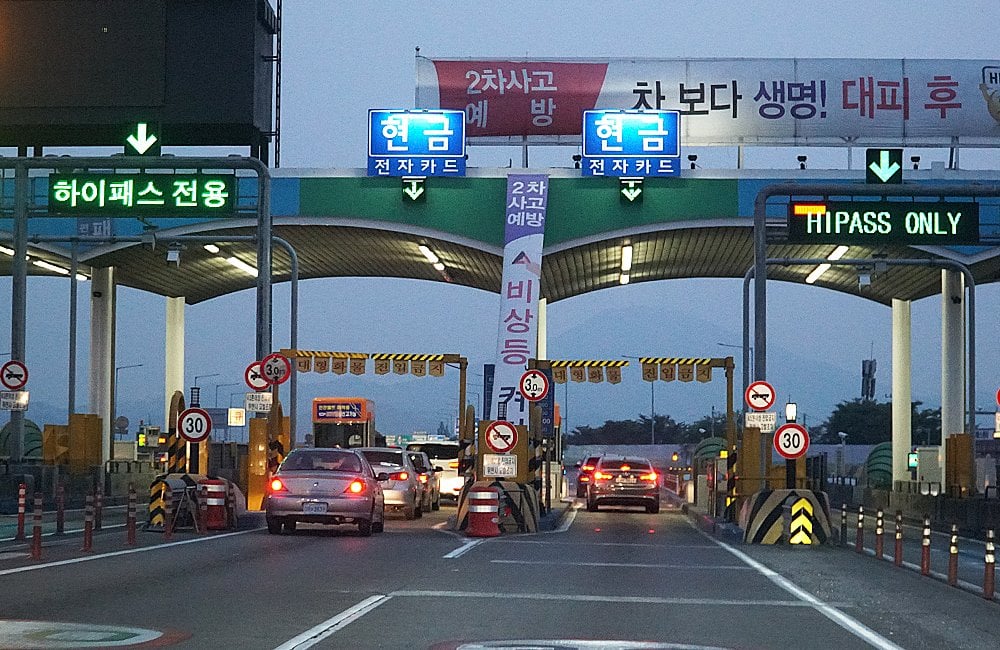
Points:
(399, 476)
(626, 468)
(584, 479)
(587, 468)
(601, 475)
(422, 477)
(357, 486)
(278, 486)
(453, 464)
(648, 477)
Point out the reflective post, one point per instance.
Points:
(925, 548)
(898, 554)
(859, 541)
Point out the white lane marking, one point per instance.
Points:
(699, 567)
(968, 586)
(855, 627)
(567, 520)
(464, 548)
(65, 532)
(315, 634)
(516, 540)
(101, 556)
(651, 600)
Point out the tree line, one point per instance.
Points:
(866, 422)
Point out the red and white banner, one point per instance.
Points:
(729, 101)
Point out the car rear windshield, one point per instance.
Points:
(384, 457)
(417, 460)
(334, 461)
(638, 465)
(435, 450)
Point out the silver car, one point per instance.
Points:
(402, 491)
(325, 486)
(430, 482)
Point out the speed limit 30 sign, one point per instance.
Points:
(194, 424)
(791, 440)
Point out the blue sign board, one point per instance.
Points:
(631, 143)
(416, 143)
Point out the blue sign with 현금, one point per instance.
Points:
(631, 143)
(416, 143)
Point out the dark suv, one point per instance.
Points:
(624, 481)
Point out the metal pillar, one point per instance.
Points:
(901, 395)
(102, 352)
(173, 377)
(952, 361)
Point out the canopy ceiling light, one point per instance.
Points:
(243, 266)
(837, 253)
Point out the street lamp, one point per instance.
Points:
(197, 377)
(748, 366)
(791, 411)
(217, 387)
(652, 406)
(114, 394)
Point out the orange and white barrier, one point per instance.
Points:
(484, 505)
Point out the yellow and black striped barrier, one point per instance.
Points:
(763, 519)
(592, 370)
(178, 482)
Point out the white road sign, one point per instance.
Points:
(276, 368)
(258, 402)
(534, 385)
(16, 400)
(759, 396)
(766, 421)
(194, 424)
(501, 436)
(14, 375)
(254, 377)
(791, 440)
(497, 465)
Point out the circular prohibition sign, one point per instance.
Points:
(14, 375)
(194, 424)
(791, 440)
(501, 436)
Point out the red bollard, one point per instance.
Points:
(98, 506)
(22, 496)
(879, 534)
(990, 575)
(130, 517)
(168, 513)
(60, 509)
(484, 505)
(36, 533)
(925, 548)
(88, 525)
(898, 555)
(953, 557)
(859, 542)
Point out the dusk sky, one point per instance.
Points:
(341, 58)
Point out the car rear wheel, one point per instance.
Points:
(378, 527)
(591, 505)
(274, 526)
(436, 505)
(289, 525)
(410, 512)
(365, 527)
(653, 508)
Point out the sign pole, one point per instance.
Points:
(790, 473)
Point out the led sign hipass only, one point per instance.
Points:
(839, 222)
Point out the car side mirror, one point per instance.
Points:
(577, 465)
(382, 476)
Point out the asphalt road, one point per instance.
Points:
(616, 575)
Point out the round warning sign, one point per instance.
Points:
(759, 396)
(14, 375)
(276, 368)
(194, 424)
(501, 436)
(254, 377)
(791, 440)
(534, 385)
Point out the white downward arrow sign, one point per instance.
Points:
(141, 141)
(884, 170)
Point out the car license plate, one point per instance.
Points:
(314, 508)
(627, 480)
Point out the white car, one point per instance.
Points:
(443, 455)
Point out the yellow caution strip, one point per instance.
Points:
(801, 526)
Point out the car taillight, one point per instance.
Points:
(648, 477)
(278, 486)
(626, 468)
(422, 477)
(601, 475)
(452, 464)
(587, 468)
(356, 486)
(399, 476)
(584, 479)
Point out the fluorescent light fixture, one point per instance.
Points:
(243, 266)
(50, 267)
(80, 277)
(623, 279)
(837, 253)
(429, 254)
(626, 258)
(439, 266)
(818, 271)
(7, 251)
(211, 248)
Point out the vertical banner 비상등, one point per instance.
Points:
(524, 234)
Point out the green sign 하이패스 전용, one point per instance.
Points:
(126, 195)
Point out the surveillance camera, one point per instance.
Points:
(864, 280)
(957, 300)
(96, 294)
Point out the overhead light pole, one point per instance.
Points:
(215, 403)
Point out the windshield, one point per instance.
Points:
(435, 449)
